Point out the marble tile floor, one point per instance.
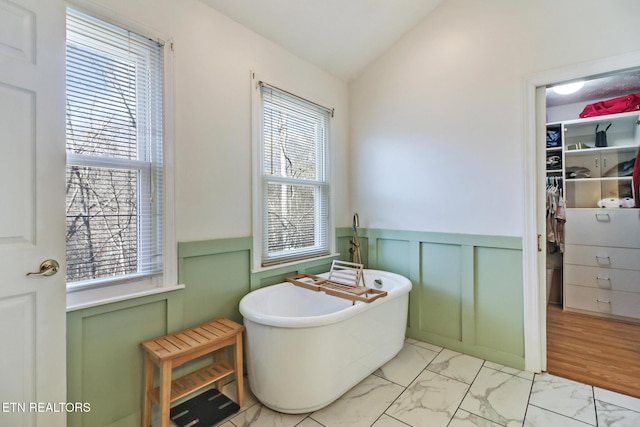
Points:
(425, 385)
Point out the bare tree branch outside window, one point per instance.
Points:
(296, 196)
(114, 176)
(101, 202)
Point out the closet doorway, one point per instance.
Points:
(592, 254)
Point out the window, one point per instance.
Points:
(294, 199)
(114, 153)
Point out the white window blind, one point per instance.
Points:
(114, 152)
(295, 185)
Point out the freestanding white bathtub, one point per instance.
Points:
(305, 349)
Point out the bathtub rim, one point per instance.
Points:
(404, 286)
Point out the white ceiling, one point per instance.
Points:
(344, 36)
(339, 36)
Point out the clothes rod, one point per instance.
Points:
(330, 110)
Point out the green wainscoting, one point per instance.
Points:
(216, 275)
(104, 357)
(467, 289)
(467, 296)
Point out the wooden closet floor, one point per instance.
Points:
(600, 352)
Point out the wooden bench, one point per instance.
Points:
(170, 351)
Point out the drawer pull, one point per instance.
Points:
(608, 279)
(603, 259)
(603, 217)
(603, 301)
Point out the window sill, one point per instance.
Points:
(293, 263)
(108, 294)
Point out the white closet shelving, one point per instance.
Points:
(602, 233)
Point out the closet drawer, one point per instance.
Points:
(602, 301)
(602, 278)
(602, 256)
(606, 227)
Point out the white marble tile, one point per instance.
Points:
(610, 415)
(309, 422)
(441, 396)
(456, 365)
(508, 370)
(155, 418)
(617, 399)
(423, 344)
(498, 397)
(431, 400)
(259, 416)
(386, 421)
(538, 417)
(406, 366)
(360, 406)
(466, 419)
(229, 390)
(155, 422)
(563, 396)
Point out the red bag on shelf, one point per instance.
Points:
(621, 104)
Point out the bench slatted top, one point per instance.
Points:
(197, 339)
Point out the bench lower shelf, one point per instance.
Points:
(194, 381)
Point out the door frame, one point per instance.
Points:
(534, 286)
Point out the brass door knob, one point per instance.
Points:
(49, 267)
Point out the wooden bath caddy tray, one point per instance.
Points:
(343, 282)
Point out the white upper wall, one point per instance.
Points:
(437, 121)
(212, 64)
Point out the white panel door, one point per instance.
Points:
(32, 225)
